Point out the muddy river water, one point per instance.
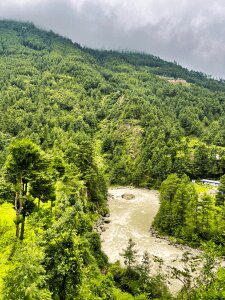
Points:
(132, 219)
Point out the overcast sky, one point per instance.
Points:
(191, 32)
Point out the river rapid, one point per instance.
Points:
(132, 219)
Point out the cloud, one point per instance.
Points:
(190, 32)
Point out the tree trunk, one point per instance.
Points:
(21, 196)
(17, 230)
(19, 206)
(25, 188)
(17, 216)
(23, 212)
(18, 211)
(23, 225)
(62, 289)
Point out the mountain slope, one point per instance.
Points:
(52, 88)
(159, 67)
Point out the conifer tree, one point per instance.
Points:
(220, 196)
(129, 254)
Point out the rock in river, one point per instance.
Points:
(127, 196)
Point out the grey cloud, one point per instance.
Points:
(190, 32)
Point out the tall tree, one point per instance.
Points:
(168, 190)
(220, 196)
(24, 161)
(129, 254)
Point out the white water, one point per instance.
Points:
(133, 219)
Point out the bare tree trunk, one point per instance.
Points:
(18, 207)
(25, 189)
(17, 216)
(23, 212)
(21, 195)
(22, 226)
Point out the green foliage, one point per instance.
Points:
(190, 217)
(24, 158)
(61, 95)
(220, 196)
(27, 266)
(129, 254)
(6, 192)
(72, 117)
(157, 66)
(95, 248)
(24, 164)
(201, 276)
(136, 279)
(7, 238)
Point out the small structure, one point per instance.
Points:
(177, 81)
(211, 182)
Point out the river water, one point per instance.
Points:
(133, 219)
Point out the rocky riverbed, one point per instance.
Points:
(131, 217)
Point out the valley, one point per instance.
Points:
(75, 121)
(133, 219)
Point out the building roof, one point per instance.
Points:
(211, 181)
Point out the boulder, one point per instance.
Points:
(128, 196)
(107, 221)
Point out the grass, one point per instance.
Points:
(7, 238)
(7, 214)
(202, 188)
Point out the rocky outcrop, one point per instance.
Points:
(100, 224)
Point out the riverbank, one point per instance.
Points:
(133, 219)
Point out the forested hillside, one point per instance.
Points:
(74, 120)
(52, 91)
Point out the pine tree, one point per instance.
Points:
(23, 163)
(129, 254)
(220, 196)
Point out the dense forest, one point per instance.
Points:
(73, 121)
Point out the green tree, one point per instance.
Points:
(129, 254)
(205, 216)
(191, 225)
(145, 267)
(179, 205)
(43, 188)
(27, 278)
(23, 162)
(168, 190)
(220, 196)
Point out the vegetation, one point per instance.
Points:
(74, 120)
(190, 217)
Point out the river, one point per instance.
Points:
(133, 219)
